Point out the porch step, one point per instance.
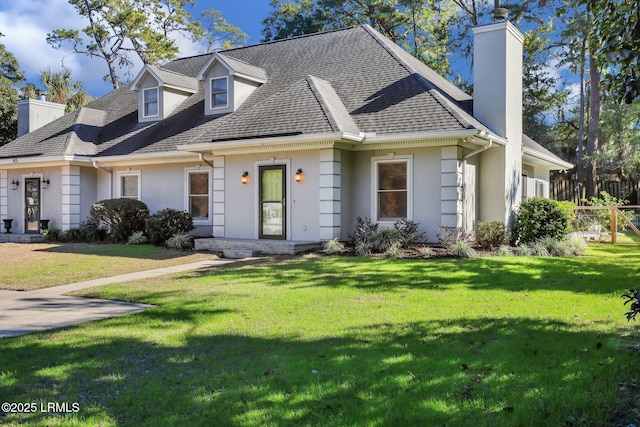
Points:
(232, 248)
(239, 253)
(20, 238)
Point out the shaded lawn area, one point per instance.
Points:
(346, 341)
(34, 266)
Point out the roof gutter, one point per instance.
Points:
(536, 155)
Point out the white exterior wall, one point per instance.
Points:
(303, 200)
(427, 193)
(171, 99)
(498, 104)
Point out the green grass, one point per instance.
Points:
(34, 266)
(346, 341)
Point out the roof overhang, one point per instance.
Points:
(44, 161)
(145, 159)
(550, 162)
(351, 142)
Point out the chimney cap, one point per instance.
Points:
(500, 14)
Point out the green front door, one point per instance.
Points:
(32, 205)
(272, 202)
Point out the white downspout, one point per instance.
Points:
(464, 179)
(202, 159)
(95, 165)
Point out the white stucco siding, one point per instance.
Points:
(426, 187)
(302, 203)
(88, 191)
(171, 99)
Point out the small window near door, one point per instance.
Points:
(129, 185)
(198, 195)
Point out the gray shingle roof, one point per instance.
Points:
(172, 78)
(351, 80)
(242, 67)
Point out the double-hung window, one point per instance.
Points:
(150, 102)
(219, 92)
(129, 185)
(392, 198)
(198, 195)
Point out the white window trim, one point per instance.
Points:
(146, 116)
(391, 158)
(122, 174)
(211, 103)
(187, 172)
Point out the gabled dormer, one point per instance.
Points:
(228, 82)
(160, 92)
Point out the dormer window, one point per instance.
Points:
(150, 102)
(219, 92)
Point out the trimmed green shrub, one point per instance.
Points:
(491, 234)
(167, 222)
(180, 241)
(121, 217)
(539, 218)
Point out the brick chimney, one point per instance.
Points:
(35, 113)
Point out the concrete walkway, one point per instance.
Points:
(25, 312)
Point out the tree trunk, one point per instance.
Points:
(580, 152)
(594, 125)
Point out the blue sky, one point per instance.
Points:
(25, 24)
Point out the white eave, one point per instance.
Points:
(348, 141)
(42, 161)
(552, 162)
(145, 159)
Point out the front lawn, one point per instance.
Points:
(347, 341)
(26, 267)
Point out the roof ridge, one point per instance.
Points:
(170, 71)
(333, 30)
(326, 106)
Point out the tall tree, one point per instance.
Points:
(118, 28)
(219, 32)
(10, 76)
(616, 27)
(61, 89)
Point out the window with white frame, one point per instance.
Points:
(150, 102)
(129, 185)
(219, 92)
(198, 194)
(392, 198)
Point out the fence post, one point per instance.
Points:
(614, 225)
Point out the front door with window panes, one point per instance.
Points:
(272, 202)
(32, 205)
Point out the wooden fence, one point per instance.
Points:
(572, 190)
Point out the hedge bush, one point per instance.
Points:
(491, 234)
(538, 218)
(166, 223)
(120, 217)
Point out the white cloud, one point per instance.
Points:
(25, 25)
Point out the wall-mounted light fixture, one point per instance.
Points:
(45, 184)
(14, 184)
(245, 177)
(298, 176)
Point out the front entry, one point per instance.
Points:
(272, 191)
(32, 205)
